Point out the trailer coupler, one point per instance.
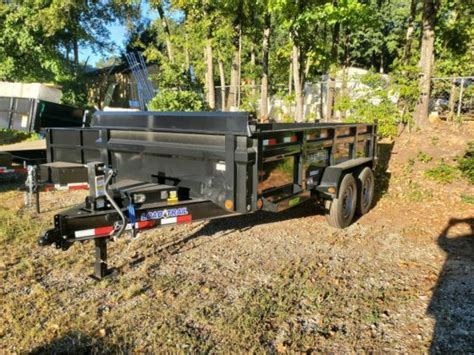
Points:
(53, 236)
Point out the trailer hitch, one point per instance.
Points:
(53, 236)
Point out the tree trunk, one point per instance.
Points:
(186, 56)
(222, 78)
(265, 49)
(164, 24)
(410, 31)
(290, 76)
(345, 71)
(332, 72)
(426, 61)
(76, 55)
(235, 69)
(298, 82)
(253, 63)
(210, 76)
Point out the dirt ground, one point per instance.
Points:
(400, 279)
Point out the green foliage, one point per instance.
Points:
(417, 194)
(178, 100)
(40, 40)
(374, 101)
(423, 157)
(455, 38)
(8, 136)
(442, 173)
(466, 164)
(467, 198)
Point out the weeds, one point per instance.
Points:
(442, 173)
(423, 157)
(466, 163)
(418, 194)
(467, 199)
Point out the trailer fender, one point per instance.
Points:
(332, 176)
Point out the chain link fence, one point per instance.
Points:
(281, 100)
(452, 98)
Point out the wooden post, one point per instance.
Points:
(461, 92)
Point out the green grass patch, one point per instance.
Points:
(8, 136)
(423, 157)
(442, 173)
(467, 198)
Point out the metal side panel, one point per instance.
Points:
(236, 123)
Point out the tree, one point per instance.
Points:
(430, 8)
(158, 4)
(265, 66)
(40, 40)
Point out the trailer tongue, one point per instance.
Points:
(148, 170)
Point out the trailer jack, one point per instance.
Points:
(101, 269)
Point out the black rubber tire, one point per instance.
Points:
(341, 210)
(365, 191)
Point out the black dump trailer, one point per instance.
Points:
(33, 115)
(150, 169)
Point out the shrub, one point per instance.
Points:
(8, 136)
(389, 100)
(466, 164)
(178, 100)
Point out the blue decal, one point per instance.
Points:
(173, 212)
(131, 214)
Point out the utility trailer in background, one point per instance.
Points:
(150, 169)
(34, 115)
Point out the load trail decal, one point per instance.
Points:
(148, 219)
(172, 213)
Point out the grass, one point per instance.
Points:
(442, 173)
(423, 157)
(467, 199)
(417, 194)
(8, 136)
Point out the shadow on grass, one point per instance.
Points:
(78, 343)
(452, 304)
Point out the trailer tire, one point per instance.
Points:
(341, 210)
(365, 191)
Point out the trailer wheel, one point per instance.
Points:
(365, 191)
(341, 210)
